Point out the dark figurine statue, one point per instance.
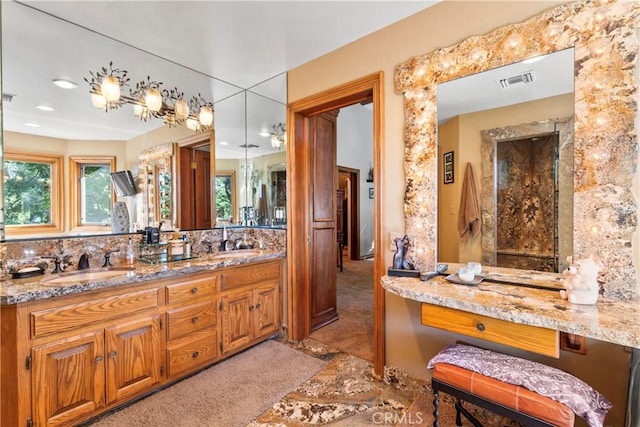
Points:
(402, 248)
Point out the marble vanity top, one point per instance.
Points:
(13, 291)
(614, 321)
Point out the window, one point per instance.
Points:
(225, 196)
(32, 193)
(92, 196)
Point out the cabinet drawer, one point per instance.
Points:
(183, 321)
(71, 316)
(186, 355)
(191, 290)
(249, 275)
(531, 338)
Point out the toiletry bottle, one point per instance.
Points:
(130, 255)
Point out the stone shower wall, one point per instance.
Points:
(525, 204)
(604, 35)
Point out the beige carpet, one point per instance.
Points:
(353, 331)
(230, 393)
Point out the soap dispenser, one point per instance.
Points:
(130, 254)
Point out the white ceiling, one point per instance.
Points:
(217, 48)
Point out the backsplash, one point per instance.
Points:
(27, 253)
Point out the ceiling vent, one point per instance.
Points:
(7, 97)
(519, 79)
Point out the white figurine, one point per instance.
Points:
(580, 281)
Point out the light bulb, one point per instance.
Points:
(206, 116)
(110, 88)
(192, 124)
(182, 109)
(138, 109)
(98, 100)
(153, 100)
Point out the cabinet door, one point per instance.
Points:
(133, 357)
(68, 379)
(266, 310)
(236, 320)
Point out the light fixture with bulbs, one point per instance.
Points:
(279, 136)
(149, 100)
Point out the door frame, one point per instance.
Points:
(367, 88)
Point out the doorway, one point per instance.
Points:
(194, 182)
(348, 179)
(299, 155)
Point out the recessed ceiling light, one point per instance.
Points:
(264, 133)
(65, 84)
(45, 108)
(223, 143)
(32, 125)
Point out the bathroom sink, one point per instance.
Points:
(240, 253)
(81, 276)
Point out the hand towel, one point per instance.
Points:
(469, 213)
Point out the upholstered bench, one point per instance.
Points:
(503, 390)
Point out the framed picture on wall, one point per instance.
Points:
(447, 167)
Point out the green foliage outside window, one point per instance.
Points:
(223, 197)
(96, 194)
(27, 193)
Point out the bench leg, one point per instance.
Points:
(462, 410)
(434, 387)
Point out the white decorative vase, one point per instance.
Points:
(119, 218)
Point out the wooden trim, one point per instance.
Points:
(57, 201)
(75, 202)
(367, 88)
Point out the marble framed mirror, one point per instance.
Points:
(605, 112)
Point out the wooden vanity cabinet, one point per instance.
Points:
(88, 354)
(249, 304)
(67, 359)
(192, 334)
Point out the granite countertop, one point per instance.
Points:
(14, 291)
(614, 321)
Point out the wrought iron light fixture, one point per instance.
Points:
(279, 136)
(149, 99)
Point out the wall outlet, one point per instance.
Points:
(391, 236)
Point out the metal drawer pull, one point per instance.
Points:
(194, 290)
(258, 305)
(251, 308)
(112, 354)
(98, 359)
(480, 326)
(195, 319)
(195, 354)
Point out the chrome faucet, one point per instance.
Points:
(107, 256)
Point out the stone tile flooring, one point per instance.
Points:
(346, 394)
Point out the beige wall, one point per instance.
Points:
(410, 345)
(448, 195)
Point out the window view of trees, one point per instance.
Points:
(96, 194)
(27, 192)
(224, 208)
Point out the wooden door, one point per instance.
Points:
(68, 379)
(266, 312)
(202, 200)
(133, 357)
(323, 219)
(236, 322)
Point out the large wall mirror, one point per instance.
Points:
(510, 129)
(605, 208)
(38, 48)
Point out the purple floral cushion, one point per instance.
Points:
(542, 379)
